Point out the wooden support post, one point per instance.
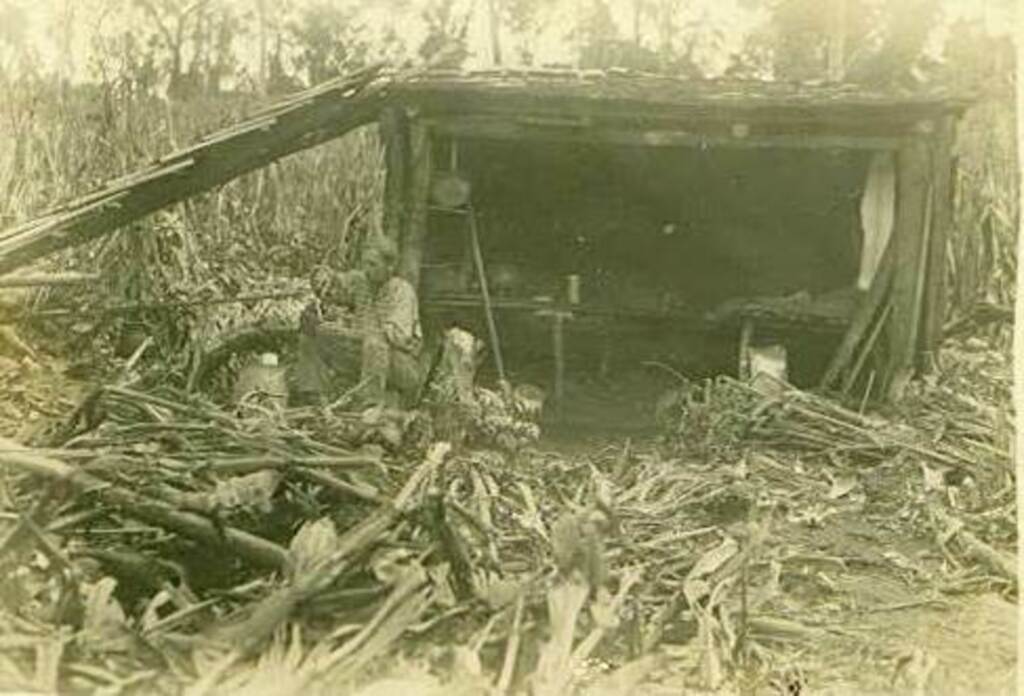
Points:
(911, 245)
(394, 133)
(558, 339)
(414, 232)
(746, 334)
(942, 221)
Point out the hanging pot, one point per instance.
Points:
(449, 190)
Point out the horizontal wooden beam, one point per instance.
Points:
(514, 129)
(644, 102)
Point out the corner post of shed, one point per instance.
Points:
(911, 245)
(415, 202)
(393, 127)
(935, 301)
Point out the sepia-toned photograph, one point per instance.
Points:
(510, 347)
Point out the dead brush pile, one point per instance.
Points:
(153, 542)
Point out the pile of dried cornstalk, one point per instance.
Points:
(157, 543)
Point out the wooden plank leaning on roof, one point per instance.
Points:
(301, 122)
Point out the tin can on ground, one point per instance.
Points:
(265, 378)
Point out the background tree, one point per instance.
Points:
(329, 38)
(446, 44)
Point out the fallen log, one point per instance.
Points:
(252, 548)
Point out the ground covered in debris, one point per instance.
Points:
(152, 541)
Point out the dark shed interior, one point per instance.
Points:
(659, 237)
(647, 226)
(626, 220)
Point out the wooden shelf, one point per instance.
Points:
(681, 318)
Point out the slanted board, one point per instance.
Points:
(299, 123)
(911, 248)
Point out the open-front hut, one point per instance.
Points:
(602, 207)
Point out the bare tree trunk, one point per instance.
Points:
(665, 30)
(264, 76)
(495, 25)
(637, 10)
(836, 40)
(67, 66)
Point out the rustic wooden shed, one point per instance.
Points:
(885, 159)
(871, 171)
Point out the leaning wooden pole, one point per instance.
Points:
(485, 293)
(867, 309)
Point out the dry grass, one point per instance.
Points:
(982, 250)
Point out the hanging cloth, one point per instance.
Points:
(877, 215)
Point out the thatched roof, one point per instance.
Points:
(333, 108)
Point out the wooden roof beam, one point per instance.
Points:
(513, 129)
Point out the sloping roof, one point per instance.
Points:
(519, 89)
(335, 107)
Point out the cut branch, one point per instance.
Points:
(248, 546)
